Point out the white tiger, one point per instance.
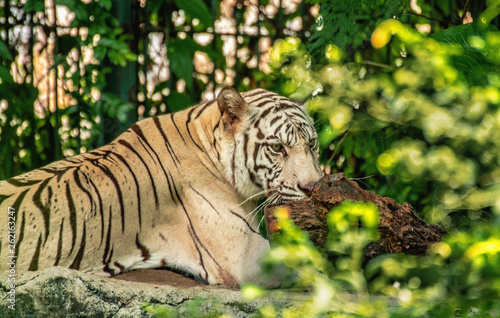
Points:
(176, 191)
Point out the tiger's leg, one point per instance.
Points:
(225, 240)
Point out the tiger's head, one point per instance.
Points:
(269, 145)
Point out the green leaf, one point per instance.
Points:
(123, 112)
(4, 51)
(460, 34)
(106, 4)
(180, 56)
(111, 102)
(154, 6)
(72, 112)
(100, 52)
(177, 101)
(472, 63)
(111, 43)
(5, 76)
(327, 135)
(196, 9)
(34, 6)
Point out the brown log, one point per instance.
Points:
(400, 228)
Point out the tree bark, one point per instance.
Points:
(401, 229)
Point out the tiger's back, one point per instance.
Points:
(167, 192)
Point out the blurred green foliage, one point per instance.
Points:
(23, 95)
(422, 122)
(92, 68)
(428, 121)
(349, 24)
(198, 306)
(457, 278)
(30, 139)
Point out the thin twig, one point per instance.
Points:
(466, 9)
(409, 11)
(337, 148)
(377, 64)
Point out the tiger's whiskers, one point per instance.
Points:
(255, 211)
(275, 198)
(258, 194)
(363, 178)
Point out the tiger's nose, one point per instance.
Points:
(307, 188)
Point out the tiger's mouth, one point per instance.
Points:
(275, 196)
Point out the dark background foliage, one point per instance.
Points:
(90, 68)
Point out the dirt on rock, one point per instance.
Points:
(159, 277)
(400, 228)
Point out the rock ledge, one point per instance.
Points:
(61, 292)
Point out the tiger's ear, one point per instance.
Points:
(232, 106)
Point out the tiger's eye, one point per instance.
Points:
(277, 147)
(312, 143)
